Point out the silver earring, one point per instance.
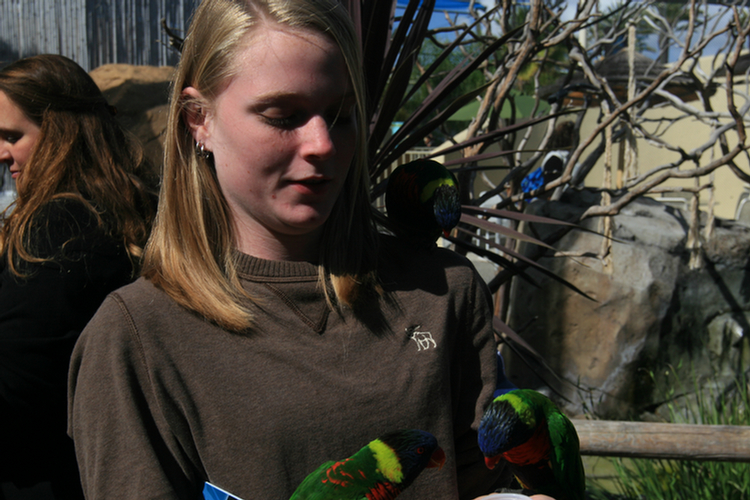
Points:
(200, 150)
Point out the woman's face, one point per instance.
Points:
(283, 136)
(18, 135)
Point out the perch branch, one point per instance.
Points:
(666, 441)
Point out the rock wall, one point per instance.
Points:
(141, 96)
(650, 318)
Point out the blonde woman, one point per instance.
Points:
(274, 328)
(74, 234)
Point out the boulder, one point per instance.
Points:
(647, 318)
(141, 96)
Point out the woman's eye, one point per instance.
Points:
(289, 119)
(11, 138)
(281, 121)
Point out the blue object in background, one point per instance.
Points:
(534, 180)
(449, 5)
(211, 492)
(502, 384)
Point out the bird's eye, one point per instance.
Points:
(420, 450)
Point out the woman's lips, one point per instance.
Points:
(315, 186)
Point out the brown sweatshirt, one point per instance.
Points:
(161, 400)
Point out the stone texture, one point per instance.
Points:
(650, 317)
(141, 95)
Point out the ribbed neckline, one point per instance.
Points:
(249, 266)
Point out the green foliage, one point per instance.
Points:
(614, 26)
(547, 66)
(428, 55)
(550, 63)
(421, 81)
(685, 479)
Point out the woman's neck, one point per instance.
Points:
(279, 246)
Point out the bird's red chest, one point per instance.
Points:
(536, 449)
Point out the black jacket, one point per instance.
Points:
(41, 317)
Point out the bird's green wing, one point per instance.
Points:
(349, 479)
(314, 485)
(567, 464)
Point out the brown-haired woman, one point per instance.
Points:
(75, 233)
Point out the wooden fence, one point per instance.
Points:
(92, 32)
(668, 441)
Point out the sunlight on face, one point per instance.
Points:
(283, 135)
(18, 135)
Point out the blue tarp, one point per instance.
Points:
(449, 5)
(213, 492)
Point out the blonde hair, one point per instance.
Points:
(191, 254)
(81, 153)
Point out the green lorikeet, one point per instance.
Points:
(422, 201)
(539, 443)
(379, 471)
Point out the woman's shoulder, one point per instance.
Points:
(143, 317)
(400, 261)
(149, 308)
(140, 295)
(62, 222)
(127, 309)
(65, 210)
(394, 249)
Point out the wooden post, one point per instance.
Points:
(727, 443)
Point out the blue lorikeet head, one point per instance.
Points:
(422, 201)
(447, 207)
(503, 427)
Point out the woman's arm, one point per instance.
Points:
(478, 367)
(123, 442)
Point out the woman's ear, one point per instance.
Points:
(196, 113)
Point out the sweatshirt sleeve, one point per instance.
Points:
(477, 362)
(123, 444)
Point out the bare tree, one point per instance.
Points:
(588, 38)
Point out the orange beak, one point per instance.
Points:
(437, 460)
(491, 462)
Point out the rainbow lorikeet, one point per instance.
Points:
(422, 201)
(379, 471)
(539, 443)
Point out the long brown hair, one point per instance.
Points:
(191, 253)
(81, 153)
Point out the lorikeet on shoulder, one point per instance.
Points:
(422, 201)
(537, 440)
(379, 471)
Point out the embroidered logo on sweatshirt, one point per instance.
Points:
(423, 340)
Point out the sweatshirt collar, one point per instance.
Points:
(250, 267)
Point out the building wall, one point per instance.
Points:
(688, 134)
(93, 32)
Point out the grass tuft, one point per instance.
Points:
(650, 479)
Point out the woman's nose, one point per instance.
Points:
(5, 156)
(317, 141)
